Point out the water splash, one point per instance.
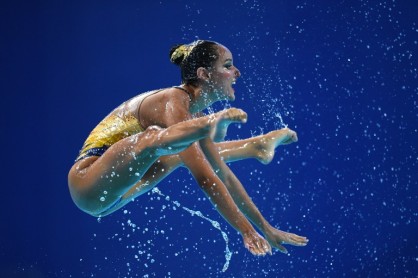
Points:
(215, 224)
(281, 122)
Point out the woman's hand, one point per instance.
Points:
(256, 244)
(276, 238)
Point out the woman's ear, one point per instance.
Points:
(203, 74)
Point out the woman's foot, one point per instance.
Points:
(266, 144)
(223, 119)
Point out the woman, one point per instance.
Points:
(150, 135)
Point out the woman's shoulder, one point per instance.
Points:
(163, 95)
(135, 100)
(152, 98)
(169, 94)
(130, 106)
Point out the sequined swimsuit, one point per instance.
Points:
(119, 124)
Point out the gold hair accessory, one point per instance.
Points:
(184, 50)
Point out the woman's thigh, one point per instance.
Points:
(98, 182)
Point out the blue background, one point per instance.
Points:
(343, 74)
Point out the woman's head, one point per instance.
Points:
(190, 57)
(208, 65)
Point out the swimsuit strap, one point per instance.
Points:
(185, 90)
(140, 103)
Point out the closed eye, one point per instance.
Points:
(228, 63)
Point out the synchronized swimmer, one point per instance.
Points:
(150, 135)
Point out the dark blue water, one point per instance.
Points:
(343, 74)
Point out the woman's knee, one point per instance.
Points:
(151, 135)
(152, 139)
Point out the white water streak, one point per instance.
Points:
(215, 224)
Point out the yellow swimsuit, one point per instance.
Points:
(109, 131)
(116, 126)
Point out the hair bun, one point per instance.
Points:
(178, 54)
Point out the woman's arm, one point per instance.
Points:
(214, 188)
(234, 186)
(275, 237)
(195, 160)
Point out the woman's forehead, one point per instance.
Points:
(224, 53)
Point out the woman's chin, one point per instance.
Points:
(227, 95)
(231, 95)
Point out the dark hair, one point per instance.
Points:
(192, 56)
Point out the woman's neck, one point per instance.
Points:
(201, 99)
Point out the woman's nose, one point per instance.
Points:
(237, 73)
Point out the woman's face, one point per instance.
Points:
(223, 75)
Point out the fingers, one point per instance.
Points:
(296, 240)
(288, 238)
(299, 240)
(281, 249)
(266, 248)
(257, 250)
(258, 246)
